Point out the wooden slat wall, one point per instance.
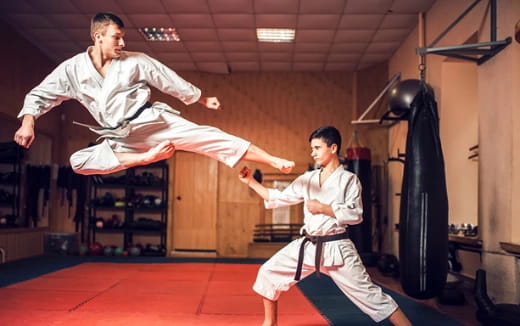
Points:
(23, 67)
(22, 243)
(276, 111)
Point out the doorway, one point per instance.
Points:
(193, 205)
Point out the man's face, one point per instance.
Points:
(111, 41)
(321, 153)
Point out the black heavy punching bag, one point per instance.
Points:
(358, 162)
(423, 236)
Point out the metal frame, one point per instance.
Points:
(387, 116)
(481, 52)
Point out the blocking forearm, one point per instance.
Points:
(316, 207)
(259, 189)
(327, 210)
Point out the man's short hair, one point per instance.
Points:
(102, 20)
(329, 134)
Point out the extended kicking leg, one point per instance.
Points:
(256, 154)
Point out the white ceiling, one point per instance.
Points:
(219, 35)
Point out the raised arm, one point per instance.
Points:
(51, 92)
(166, 80)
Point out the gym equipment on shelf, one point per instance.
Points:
(117, 202)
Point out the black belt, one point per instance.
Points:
(121, 123)
(318, 241)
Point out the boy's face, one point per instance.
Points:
(111, 41)
(321, 153)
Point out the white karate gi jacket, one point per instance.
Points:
(340, 260)
(341, 190)
(109, 100)
(116, 97)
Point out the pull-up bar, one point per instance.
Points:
(483, 51)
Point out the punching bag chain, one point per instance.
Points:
(422, 68)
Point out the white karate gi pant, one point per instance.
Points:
(277, 276)
(153, 126)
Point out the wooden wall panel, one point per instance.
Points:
(22, 243)
(276, 111)
(23, 67)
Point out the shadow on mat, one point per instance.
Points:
(339, 310)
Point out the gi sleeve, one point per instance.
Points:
(167, 81)
(291, 195)
(350, 211)
(51, 92)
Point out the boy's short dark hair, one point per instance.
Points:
(103, 19)
(329, 134)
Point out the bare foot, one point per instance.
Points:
(161, 151)
(284, 166)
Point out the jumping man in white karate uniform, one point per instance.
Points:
(332, 201)
(114, 85)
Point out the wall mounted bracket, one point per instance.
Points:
(389, 117)
(477, 52)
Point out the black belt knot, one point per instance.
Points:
(122, 123)
(318, 241)
(137, 113)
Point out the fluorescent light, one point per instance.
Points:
(275, 35)
(160, 34)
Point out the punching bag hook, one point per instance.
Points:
(422, 68)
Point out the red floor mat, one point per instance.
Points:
(41, 300)
(148, 294)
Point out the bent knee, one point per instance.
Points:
(92, 160)
(77, 162)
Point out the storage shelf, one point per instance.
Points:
(134, 195)
(513, 248)
(122, 186)
(110, 208)
(11, 183)
(468, 241)
(134, 230)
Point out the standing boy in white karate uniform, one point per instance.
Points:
(114, 85)
(332, 201)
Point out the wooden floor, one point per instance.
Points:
(464, 314)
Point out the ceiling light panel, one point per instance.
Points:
(160, 34)
(275, 35)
